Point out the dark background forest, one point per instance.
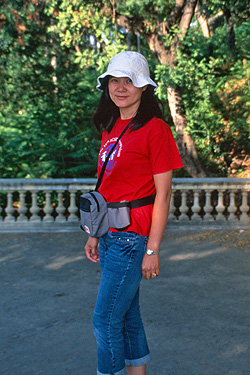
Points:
(53, 51)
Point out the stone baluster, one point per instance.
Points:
(22, 209)
(9, 209)
(208, 208)
(232, 208)
(73, 207)
(34, 207)
(171, 215)
(48, 209)
(60, 208)
(196, 206)
(244, 217)
(183, 208)
(220, 206)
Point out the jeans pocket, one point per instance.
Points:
(124, 242)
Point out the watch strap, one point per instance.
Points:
(151, 252)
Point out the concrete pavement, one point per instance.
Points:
(196, 313)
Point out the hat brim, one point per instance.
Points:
(138, 81)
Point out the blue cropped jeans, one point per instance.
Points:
(118, 328)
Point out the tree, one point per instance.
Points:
(154, 29)
(52, 53)
(166, 37)
(180, 16)
(175, 28)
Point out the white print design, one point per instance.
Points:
(115, 154)
(105, 154)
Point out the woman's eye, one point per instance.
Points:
(129, 80)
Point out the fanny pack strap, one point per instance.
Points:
(133, 204)
(109, 154)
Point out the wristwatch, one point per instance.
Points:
(151, 252)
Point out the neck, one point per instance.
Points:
(126, 114)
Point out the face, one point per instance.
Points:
(125, 95)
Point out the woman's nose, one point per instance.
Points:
(121, 86)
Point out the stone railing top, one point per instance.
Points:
(214, 182)
(47, 183)
(78, 183)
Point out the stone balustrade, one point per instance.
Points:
(54, 203)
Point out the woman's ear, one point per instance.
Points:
(144, 88)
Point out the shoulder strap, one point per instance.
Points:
(109, 154)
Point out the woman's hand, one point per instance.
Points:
(150, 266)
(91, 249)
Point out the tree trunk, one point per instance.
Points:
(230, 30)
(181, 15)
(184, 141)
(201, 18)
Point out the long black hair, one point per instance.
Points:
(107, 112)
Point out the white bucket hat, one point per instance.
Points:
(128, 64)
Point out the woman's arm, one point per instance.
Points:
(163, 183)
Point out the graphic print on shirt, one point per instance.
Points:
(113, 157)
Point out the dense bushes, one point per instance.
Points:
(50, 58)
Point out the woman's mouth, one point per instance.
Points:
(121, 97)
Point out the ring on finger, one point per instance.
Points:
(154, 274)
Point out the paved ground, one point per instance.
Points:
(196, 314)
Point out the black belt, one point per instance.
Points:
(133, 204)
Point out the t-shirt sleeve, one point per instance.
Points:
(163, 152)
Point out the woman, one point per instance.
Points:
(140, 166)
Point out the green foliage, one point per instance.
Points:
(151, 12)
(52, 53)
(239, 9)
(216, 94)
(45, 128)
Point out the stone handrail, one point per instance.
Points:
(194, 201)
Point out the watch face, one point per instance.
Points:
(149, 252)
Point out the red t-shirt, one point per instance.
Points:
(139, 155)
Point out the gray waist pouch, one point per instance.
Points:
(94, 214)
(119, 215)
(97, 216)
